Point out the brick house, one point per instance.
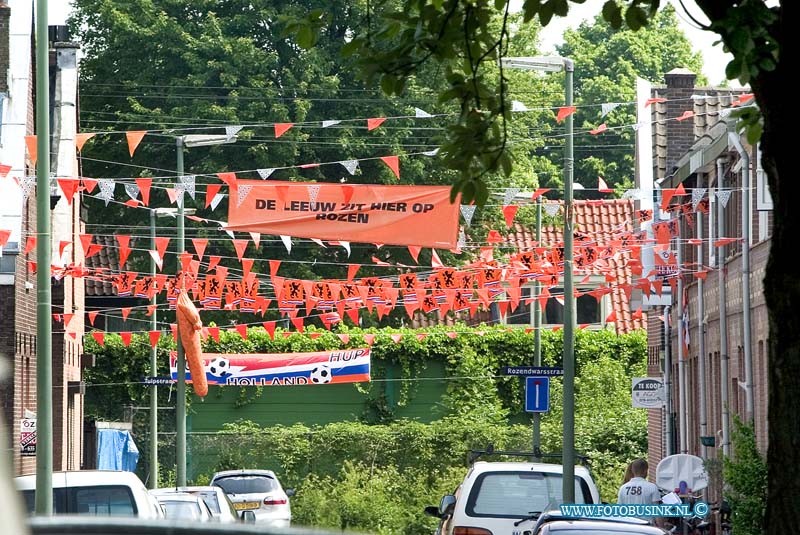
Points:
(18, 343)
(702, 155)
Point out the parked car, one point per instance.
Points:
(184, 506)
(94, 492)
(504, 497)
(221, 507)
(258, 491)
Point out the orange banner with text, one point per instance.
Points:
(395, 215)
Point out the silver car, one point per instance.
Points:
(221, 507)
(183, 506)
(258, 491)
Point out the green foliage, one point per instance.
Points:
(745, 475)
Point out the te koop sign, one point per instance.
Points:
(648, 393)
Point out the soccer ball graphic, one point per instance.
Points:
(219, 367)
(320, 375)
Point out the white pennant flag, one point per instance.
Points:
(157, 258)
(421, 113)
(551, 208)
(231, 131)
(326, 124)
(634, 193)
(346, 245)
(516, 105)
(724, 112)
(462, 239)
(106, 189)
(186, 184)
(638, 125)
(697, 196)
(313, 191)
(244, 191)
(350, 165)
(509, 195)
(433, 152)
(467, 211)
(608, 107)
(724, 196)
(27, 184)
(216, 200)
(256, 237)
(132, 190)
(265, 173)
(287, 242)
(699, 97)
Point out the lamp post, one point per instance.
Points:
(192, 140)
(557, 64)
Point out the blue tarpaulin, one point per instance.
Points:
(116, 450)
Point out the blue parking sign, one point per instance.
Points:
(537, 394)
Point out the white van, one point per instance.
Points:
(503, 498)
(94, 492)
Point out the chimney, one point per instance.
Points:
(5, 16)
(680, 87)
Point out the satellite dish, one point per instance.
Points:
(681, 473)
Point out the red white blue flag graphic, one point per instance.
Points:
(280, 369)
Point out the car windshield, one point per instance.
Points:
(246, 484)
(518, 494)
(181, 509)
(94, 500)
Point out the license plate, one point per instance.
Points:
(240, 506)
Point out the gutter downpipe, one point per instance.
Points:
(683, 415)
(723, 320)
(668, 379)
(746, 313)
(701, 334)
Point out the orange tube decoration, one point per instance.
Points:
(189, 326)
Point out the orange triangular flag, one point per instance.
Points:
(126, 338)
(611, 318)
(92, 315)
(298, 324)
(352, 269)
(134, 138)
(414, 250)
(99, 337)
(68, 186)
(394, 164)
(211, 192)
(214, 333)
(81, 139)
(247, 266)
(369, 339)
(372, 124)
(30, 142)
(347, 193)
(240, 246)
(89, 184)
(68, 319)
(161, 246)
(144, 188)
(653, 100)
(125, 313)
(564, 112)
(30, 243)
(680, 190)
(242, 329)
(200, 246)
(154, 336)
(509, 212)
(602, 187)
(172, 193)
(599, 129)
(86, 241)
(282, 128)
(124, 249)
(686, 115)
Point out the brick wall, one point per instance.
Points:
(679, 90)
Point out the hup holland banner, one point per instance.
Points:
(280, 369)
(395, 215)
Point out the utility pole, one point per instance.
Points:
(537, 335)
(153, 367)
(44, 299)
(180, 402)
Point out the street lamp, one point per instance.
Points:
(557, 64)
(190, 140)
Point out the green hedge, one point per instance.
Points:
(378, 477)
